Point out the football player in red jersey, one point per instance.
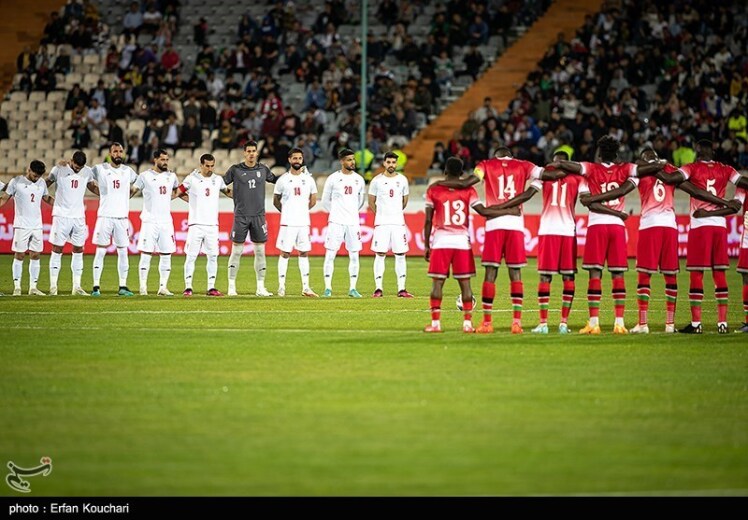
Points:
(657, 248)
(447, 211)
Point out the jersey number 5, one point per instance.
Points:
(454, 213)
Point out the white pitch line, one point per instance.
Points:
(659, 492)
(227, 329)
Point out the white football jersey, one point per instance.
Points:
(203, 195)
(70, 190)
(2, 185)
(389, 192)
(27, 196)
(114, 189)
(295, 191)
(343, 197)
(157, 188)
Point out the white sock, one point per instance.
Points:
(164, 271)
(260, 265)
(282, 270)
(35, 267)
(329, 267)
(594, 322)
(378, 271)
(212, 269)
(17, 273)
(55, 262)
(189, 271)
(143, 269)
(353, 268)
(304, 270)
(695, 323)
(619, 322)
(234, 260)
(98, 265)
(76, 265)
(123, 266)
(401, 270)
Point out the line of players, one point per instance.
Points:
(294, 195)
(601, 187)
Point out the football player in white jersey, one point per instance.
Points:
(113, 183)
(388, 196)
(69, 218)
(2, 189)
(343, 196)
(158, 186)
(27, 191)
(294, 195)
(201, 189)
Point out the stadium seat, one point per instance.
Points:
(37, 96)
(18, 96)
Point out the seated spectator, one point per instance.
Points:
(192, 135)
(135, 151)
(151, 19)
(133, 20)
(170, 133)
(96, 117)
(54, 31)
(62, 61)
(226, 139)
(4, 134)
(26, 61)
(200, 32)
(170, 60)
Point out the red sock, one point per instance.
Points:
(619, 296)
(696, 295)
(671, 296)
(467, 307)
(487, 295)
(720, 294)
(544, 299)
(436, 309)
(594, 294)
(745, 301)
(517, 293)
(567, 300)
(643, 292)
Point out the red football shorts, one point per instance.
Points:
(606, 242)
(743, 260)
(461, 261)
(506, 244)
(658, 249)
(557, 254)
(707, 249)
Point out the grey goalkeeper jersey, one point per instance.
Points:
(249, 188)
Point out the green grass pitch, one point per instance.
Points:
(250, 396)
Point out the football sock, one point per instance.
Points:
(55, 262)
(619, 299)
(353, 268)
(123, 265)
(17, 273)
(164, 271)
(671, 297)
(594, 295)
(378, 271)
(696, 296)
(329, 267)
(720, 294)
(234, 260)
(212, 269)
(745, 301)
(98, 265)
(488, 293)
(467, 308)
(517, 293)
(76, 265)
(401, 270)
(567, 300)
(436, 311)
(304, 271)
(35, 267)
(260, 265)
(643, 292)
(544, 298)
(143, 269)
(282, 270)
(189, 271)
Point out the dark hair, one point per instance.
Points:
(608, 147)
(79, 158)
(37, 167)
(345, 152)
(115, 143)
(705, 148)
(453, 167)
(391, 155)
(295, 150)
(206, 157)
(249, 143)
(505, 149)
(158, 153)
(561, 152)
(648, 149)
(705, 143)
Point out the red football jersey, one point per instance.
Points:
(658, 201)
(559, 200)
(504, 179)
(605, 177)
(451, 218)
(713, 177)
